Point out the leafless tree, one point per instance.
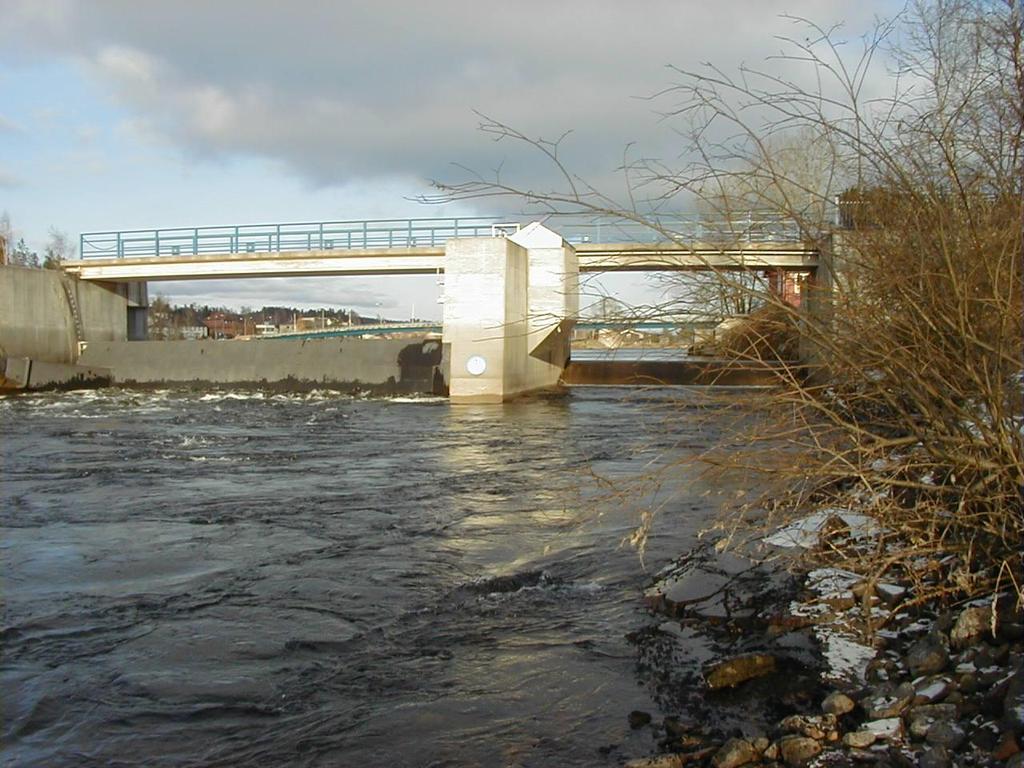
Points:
(914, 408)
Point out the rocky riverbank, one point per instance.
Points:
(824, 668)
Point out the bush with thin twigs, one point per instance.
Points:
(912, 412)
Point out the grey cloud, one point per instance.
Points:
(341, 91)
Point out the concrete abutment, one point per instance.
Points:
(509, 307)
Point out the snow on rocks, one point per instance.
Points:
(933, 688)
(807, 532)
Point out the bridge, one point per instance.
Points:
(511, 295)
(417, 246)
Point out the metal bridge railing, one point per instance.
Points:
(407, 233)
(753, 227)
(279, 238)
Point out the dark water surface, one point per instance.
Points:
(253, 579)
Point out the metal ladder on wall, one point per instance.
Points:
(76, 315)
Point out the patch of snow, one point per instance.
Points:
(806, 532)
(890, 728)
(832, 582)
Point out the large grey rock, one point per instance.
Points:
(973, 623)
(929, 655)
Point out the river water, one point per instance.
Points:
(244, 578)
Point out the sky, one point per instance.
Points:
(126, 115)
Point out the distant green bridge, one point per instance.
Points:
(382, 329)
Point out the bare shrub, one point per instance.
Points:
(913, 411)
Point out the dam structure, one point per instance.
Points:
(511, 291)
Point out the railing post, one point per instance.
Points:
(235, 244)
(81, 246)
(120, 247)
(364, 235)
(278, 238)
(408, 238)
(456, 228)
(156, 234)
(195, 241)
(321, 235)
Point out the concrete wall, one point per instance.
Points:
(397, 364)
(36, 318)
(485, 317)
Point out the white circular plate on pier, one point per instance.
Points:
(476, 365)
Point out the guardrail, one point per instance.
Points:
(409, 233)
(752, 227)
(279, 238)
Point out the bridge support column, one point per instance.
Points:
(137, 294)
(510, 304)
(554, 302)
(485, 318)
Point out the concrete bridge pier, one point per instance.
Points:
(510, 305)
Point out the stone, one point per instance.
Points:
(729, 673)
(985, 737)
(1007, 748)
(1011, 631)
(973, 623)
(886, 705)
(761, 743)
(812, 727)
(771, 752)
(920, 719)
(890, 728)
(658, 761)
(968, 682)
(864, 756)
(798, 750)
(932, 691)
(837, 703)
(929, 655)
(1013, 704)
(890, 593)
(945, 734)
(638, 719)
(734, 753)
(935, 757)
(859, 739)
(676, 728)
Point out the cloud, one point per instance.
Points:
(343, 91)
(9, 126)
(9, 180)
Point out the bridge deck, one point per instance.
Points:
(425, 260)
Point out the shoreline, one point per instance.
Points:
(799, 678)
